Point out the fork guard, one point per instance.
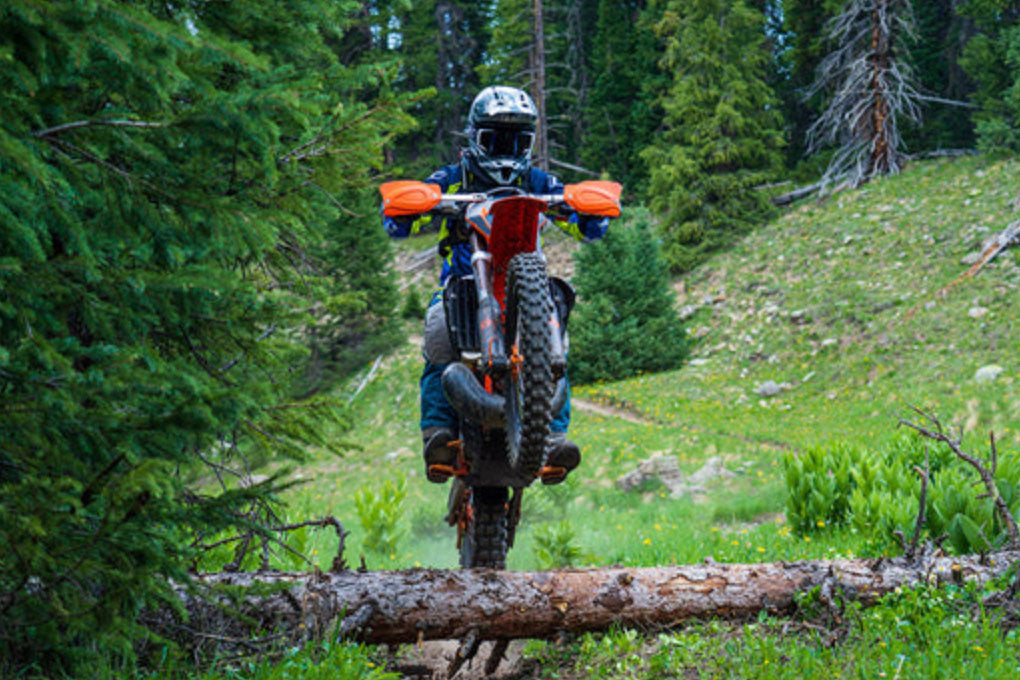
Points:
(471, 401)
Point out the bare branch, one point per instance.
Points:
(57, 129)
(987, 478)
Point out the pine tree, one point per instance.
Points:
(722, 134)
(512, 60)
(174, 178)
(622, 111)
(626, 321)
(992, 59)
(804, 32)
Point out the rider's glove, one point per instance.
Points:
(397, 227)
(592, 227)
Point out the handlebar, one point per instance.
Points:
(407, 197)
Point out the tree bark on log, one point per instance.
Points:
(421, 604)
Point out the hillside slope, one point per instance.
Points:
(837, 302)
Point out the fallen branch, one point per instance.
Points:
(421, 604)
(796, 194)
(1009, 236)
(942, 153)
(1006, 238)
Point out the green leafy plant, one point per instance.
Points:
(878, 493)
(555, 545)
(380, 512)
(819, 483)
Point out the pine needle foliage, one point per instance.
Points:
(625, 321)
(622, 112)
(723, 128)
(174, 182)
(992, 59)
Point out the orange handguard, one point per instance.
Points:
(408, 197)
(594, 198)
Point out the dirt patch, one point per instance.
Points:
(431, 660)
(611, 411)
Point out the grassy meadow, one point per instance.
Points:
(837, 301)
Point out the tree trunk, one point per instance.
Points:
(405, 606)
(538, 85)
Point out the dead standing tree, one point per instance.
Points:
(872, 87)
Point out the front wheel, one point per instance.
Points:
(485, 541)
(530, 322)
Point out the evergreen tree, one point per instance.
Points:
(176, 179)
(440, 42)
(992, 59)
(722, 134)
(935, 58)
(804, 35)
(623, 112)
(568, 46)
(626, 321)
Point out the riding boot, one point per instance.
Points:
(437, 451)
(562, 453)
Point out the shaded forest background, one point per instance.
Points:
(190, 253)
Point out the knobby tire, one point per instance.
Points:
(529, 315)
(485, 541)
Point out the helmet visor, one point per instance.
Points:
(505, 142)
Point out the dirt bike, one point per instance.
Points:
(507, 323)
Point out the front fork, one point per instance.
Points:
(490, 314)
(490, 319)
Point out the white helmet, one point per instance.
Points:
(501, 132)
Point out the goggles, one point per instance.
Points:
(505, 142)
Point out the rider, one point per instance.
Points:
(500, 131)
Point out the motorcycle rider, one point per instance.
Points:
(501, 131)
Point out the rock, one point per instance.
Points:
(660, 465)
(987, 374)
(664, 467)
(977, 312)
(970, 258)
(800, 317)
(698, 362)
(769, 388)
(712, 469)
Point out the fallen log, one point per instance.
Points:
(1007, 237)
(422, 604)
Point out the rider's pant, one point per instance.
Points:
(436, 411)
